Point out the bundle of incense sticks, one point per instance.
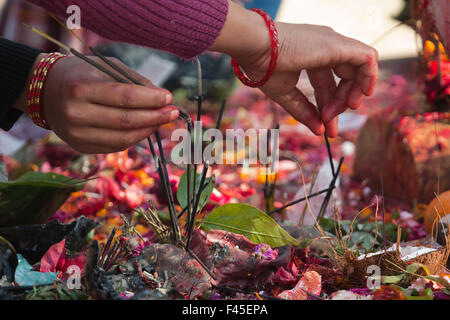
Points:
(159, 161)
(114, 251)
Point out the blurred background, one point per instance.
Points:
(363, 20)
(366, 21)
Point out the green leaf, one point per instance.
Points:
(364, 239)
(327, 225)
(249, 221)
(182, 189)
(427, 294)
(419, 298)
(414, 267)
(34, 197)
(393, 279)
(305, 243)
(331, 226)
(395, 215)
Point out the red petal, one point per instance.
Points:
(54, 258)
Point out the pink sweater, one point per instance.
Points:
(183, 27)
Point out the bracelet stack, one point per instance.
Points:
(36, 88)
(273, 55)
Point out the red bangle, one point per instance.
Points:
(273, 54)
(36, 88)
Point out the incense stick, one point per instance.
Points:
(269, 187)
(384, 214)
(96, 52)
(115, 66)
(300, 200)
(330, 156)
(46, 36)
(188, 172)
(266, 180)
(330, 190)
(191, 203)
(191, 224)
(202, 185)
(173, 219)
(196, 195)
(193, 255)
(160, 163)
(164, 167)
(164, 178)
(106, 247)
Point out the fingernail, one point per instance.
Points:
(168, 98)
(174, 114)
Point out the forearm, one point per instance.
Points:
(16, 63)
(244, 36)
(185, 28)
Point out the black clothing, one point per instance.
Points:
(16, 62)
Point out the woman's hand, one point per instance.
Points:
(95, 114)
(318, 50)
(323, 53)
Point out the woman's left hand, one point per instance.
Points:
(318, 50)
(322, 53)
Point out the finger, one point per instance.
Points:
(100, 116)
(367, 76)
(324, 88)
(361, 74)
(146, 82)
(302, 110)
(356, 97)
(107, 139)
(339, 103)
(322, 80)
(95, 149)
(348, 72)
(332, 128)
(121, 95)
(364, 58)
(345, 71)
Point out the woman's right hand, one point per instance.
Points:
(95, 114)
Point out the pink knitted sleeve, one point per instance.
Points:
(183, 27)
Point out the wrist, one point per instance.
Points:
(21, 102)
(244, 37)
(37, 88)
